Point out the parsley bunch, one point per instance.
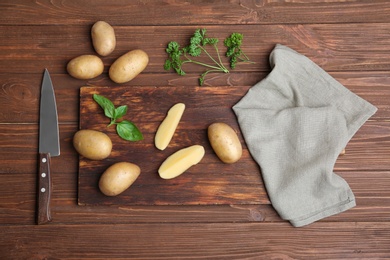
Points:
(234, 51)
(126, 130)
(179, 56)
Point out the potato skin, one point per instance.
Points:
(92, 144)
(118, 178)
(103, 38)
(85, 67)
(225, 142)
(128, 66)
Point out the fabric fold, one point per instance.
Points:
(295, 123)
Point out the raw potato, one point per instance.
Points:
(103, 38)
(118, 178)
(168, 126)
(181, 161)
(85, 67)
(128, 66)
(92, 144)
(225, 142)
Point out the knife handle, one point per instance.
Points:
(44, 189)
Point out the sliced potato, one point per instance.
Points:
(168, 126)
(182, 160)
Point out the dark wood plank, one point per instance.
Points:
(335, 47)
(18, 204)
(19, 149)
(209, 182)
(119, 12)
(362, 149)
(20, 93)
(368, 149)
(356, 240)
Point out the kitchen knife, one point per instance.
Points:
(49, 146)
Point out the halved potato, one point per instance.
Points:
(181, 161)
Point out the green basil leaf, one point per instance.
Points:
(129, 131)
(106, 104)
(120, 111)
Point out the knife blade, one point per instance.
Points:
(49, 146)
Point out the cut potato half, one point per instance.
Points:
(168, 126)
(182, 160)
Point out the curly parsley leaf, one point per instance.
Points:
(234, 51)
(174, 62)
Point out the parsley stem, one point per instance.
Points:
(206, 65)
(246, 57)
(203, 75)
(246, 61)
(208, 71)
(205, 51)
(219, 58)
(220, 65)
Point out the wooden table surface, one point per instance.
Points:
(349, 39)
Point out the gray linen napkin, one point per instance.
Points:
(295, 122)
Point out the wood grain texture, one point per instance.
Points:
(199, 241)
(334, 47)
(349, 39)
(373, 204)
(24, 89)
(209, 182)
(118, 12)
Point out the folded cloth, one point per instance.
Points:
(295, 123)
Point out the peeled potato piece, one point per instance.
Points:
(181, 161)
(168, 126)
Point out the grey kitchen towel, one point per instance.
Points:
(295, 122)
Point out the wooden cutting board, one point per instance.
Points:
(209, 182)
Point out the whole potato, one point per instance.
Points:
(225, 142)
(103, 38)
(85, 67)
(118, 178)
(128, 66)
(92, 144)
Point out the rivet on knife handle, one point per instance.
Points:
(44, 189)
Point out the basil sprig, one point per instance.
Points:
(127, 130)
